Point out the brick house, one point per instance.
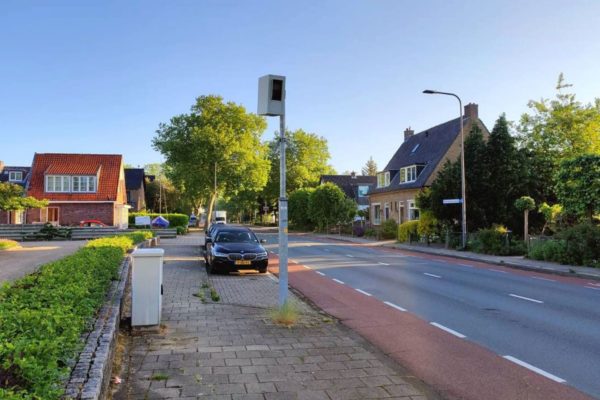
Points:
(415, 166)
(135, 186)
(356, 187)
(19, 176)
(79, 187)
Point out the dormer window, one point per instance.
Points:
(70, 184)
(15, 176)
(383, 179)
(409, 174)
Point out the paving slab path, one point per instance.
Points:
(231, 349)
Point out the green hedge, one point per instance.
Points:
(577, 245)
(42, 318)
(389, 229)
(174, 219)
(123, 241)
(8, 244)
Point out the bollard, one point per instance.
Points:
(146, 286)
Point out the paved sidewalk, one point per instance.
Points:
(231, 350)
(519, 262)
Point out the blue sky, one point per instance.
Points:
(85, 76)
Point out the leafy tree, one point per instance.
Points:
(551, 215)
(12, 199)
(556, 130)
(307, 158)
(215, 138)
(298, 205)
(370, 168)
(578, 186)
(328, 205)
(525, 204)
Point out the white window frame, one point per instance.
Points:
(412, 207)
(12, 176)
(85, 184)
(366, 192)
(408, 174)
(383, 179)
(376, 221)
(65, 184)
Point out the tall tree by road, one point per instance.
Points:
(370, 168)
(307, 158)
(215, 138)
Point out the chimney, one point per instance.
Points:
(353, 175)
(1, 165)
(472, 111)
(408, 133)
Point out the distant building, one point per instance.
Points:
(356, 187)
(135, 186)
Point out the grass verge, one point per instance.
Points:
(286, 315)
(6, 244)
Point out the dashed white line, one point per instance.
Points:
(451, 331)
(363, 292)
(466, 265)
(543, 279)
(320, 273)
(382, 263)
(535, 369)
(394, 306)
(338, 281)
(326, 250)
(525, 298)
(593, 288)
(349, 255)
(306, 266)
(497, 270)
(432, 275)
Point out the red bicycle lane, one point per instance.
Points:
(454, 367)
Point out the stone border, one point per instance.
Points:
(91, 373)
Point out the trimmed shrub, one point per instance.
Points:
(495, 241)
(174, 219)
(182, 230)
(548, 250)
(42, 318)
(358, 231)
(428, 226)
(407, 231)
(582, 245)
(389, 229)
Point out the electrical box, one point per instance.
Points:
(146, 286)
(271, 95)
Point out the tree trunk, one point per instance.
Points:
(526, 228)
(211, 205)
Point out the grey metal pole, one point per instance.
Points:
(462, 177)
(283, 217)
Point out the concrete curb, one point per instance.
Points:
(510, 264)
(90, 376)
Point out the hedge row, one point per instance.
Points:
(174, 219)
(43, 316)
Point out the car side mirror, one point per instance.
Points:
(263, 241)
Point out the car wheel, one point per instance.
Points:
(209, 268)
(262, 270)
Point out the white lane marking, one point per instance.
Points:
(543, 279)
(432, 275)
(363, 292)
(394, 306)
(273, 278)
(349, 255)
(466, 265)
(326, 249)
(306, 266)
(498, 270)
(593, 284)
(338, 281)
(320, 273)
(451, 331)
(593, 288)
(535, 369)
(293, 260)
(525, 298)
(382, 263)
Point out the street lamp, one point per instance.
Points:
(462, 166)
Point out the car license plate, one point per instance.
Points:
(243, 262)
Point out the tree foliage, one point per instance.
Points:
(328, 206)
(298, 206)
(307, 158)
(214, 136)
(12, 199)
(370, 168)
(578, 186)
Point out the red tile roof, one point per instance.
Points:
(109, 180)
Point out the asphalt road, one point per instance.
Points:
(548, 324)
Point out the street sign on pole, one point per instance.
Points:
(452, 201)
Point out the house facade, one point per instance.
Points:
(415, 166)
(79, 187)
(18, 176)
(356, 187)
(135, 186)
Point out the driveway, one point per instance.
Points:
(15, 263)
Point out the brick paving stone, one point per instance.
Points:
(230, 349)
